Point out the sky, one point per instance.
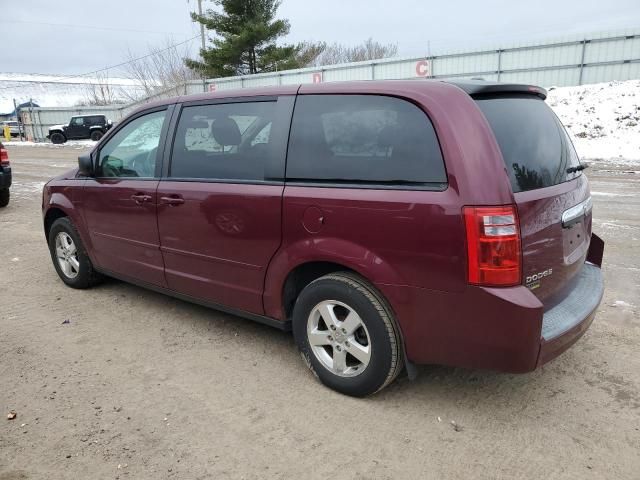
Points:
(72, 37)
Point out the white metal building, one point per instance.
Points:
(597, 58)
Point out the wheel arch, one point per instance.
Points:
(298, 264)
(301, 276)
(53, 214)
(58, 205)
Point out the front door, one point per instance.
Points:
(120, 203)
(219, 207)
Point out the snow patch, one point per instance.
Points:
(70, 143)
(603, 119)
(621, 303)
(608, 194)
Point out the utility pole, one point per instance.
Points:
(201, 25)
(203, 43)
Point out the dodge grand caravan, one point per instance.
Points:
(387, 223)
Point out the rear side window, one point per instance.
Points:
(230, 141)
(363, 139)
(535, 146)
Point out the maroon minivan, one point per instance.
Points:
(387, 223)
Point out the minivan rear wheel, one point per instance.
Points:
(347, 335)
(69, 256)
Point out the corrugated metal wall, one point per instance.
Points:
(600, 58)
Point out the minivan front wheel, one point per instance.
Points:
(347, 335)
(70, 259)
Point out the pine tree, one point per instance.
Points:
(245, 42)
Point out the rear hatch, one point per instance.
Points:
(541, 162)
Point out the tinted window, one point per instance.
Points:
(363, 138)
(535, 146)
(226, 141)
(132, 151)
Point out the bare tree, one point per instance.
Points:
(161, 70)
(101, 92)
(316, 54)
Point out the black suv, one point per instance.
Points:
(5, 176)
(80, 127)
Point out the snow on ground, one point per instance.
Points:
(71, 143)
(58, 91)
(603, 119)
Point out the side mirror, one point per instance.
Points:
(85, 165)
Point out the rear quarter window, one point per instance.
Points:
(364, 139)
(535, 147)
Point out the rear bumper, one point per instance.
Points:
(504, 329)
(567, 321)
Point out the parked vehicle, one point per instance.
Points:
(5, 176)
(80, 127)
(13, 125)
(387, 223)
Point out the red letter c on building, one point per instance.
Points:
(422, 68)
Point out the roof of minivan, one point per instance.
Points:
(471, 87)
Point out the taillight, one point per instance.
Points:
(4, 157)
(493, 245)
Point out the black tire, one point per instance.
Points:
(4, 197)
(96, 135)
(386, 358)
(86, 276)
(58, 138)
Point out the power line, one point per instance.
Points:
(92, 27)
(111, 67)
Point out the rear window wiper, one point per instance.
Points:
(577, 168)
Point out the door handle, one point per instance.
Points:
(173, 200)
(140, 198)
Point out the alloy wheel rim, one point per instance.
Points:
(338, 338)
(67, 255)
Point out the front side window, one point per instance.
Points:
(78, 121)
(225, 141)
(132, 151)
(363, 139)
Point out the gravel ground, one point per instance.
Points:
(139, 385)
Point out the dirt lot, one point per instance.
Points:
(138, 385)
